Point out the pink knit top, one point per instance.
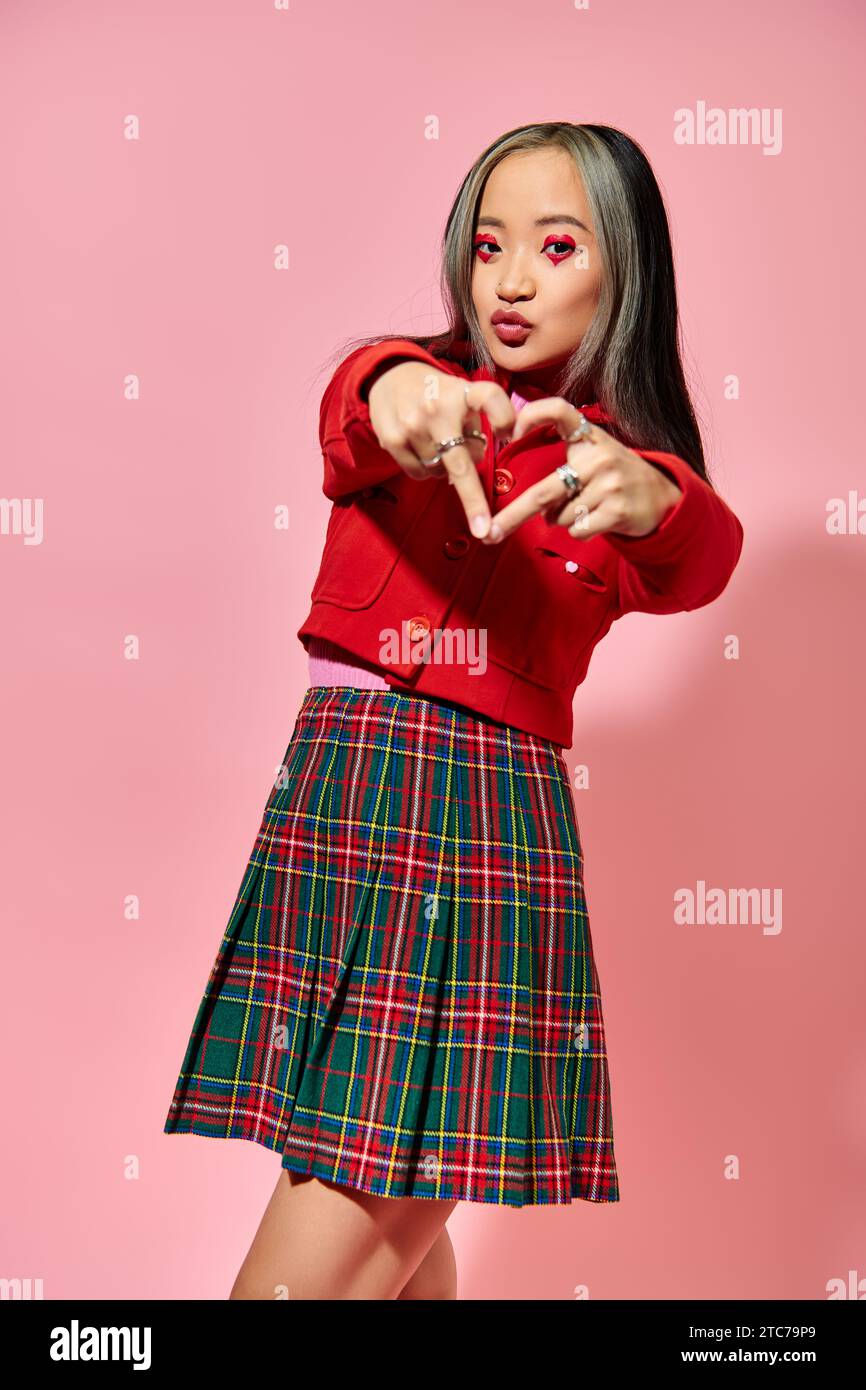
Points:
(333, 665)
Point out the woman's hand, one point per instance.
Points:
(414, 408)
(621, 492)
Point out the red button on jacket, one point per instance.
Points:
(512, 626)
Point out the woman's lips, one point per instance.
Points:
(514, 333)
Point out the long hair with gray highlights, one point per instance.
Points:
(630, 357)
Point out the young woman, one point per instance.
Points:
(405, 1004)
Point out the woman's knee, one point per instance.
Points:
(435, 1279)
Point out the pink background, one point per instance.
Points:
(155, 257)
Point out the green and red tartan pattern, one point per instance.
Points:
(405, 999)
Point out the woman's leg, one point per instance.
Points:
(318, 1240)
(435, 1279)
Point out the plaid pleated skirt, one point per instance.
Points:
(405, 998)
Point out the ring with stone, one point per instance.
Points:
(567, 475)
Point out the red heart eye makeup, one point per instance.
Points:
(486, 246)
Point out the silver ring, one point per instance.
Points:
(443, 445)
(583, 431)
(567, 474)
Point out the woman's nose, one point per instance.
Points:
(515, 280)
(515, 286)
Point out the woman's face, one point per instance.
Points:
(535, 256)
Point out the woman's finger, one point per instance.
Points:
(462, 472)
(424, 445)
(489, 398)
(593, 518)
(459, 460)
(548, 494)
(573, 512)
(564, 416)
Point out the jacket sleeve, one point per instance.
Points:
(687, 560)
(352, 454)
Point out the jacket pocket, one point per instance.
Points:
(543, 605)
(367, 533)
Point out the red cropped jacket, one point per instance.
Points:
(399, 558)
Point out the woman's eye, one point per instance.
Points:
(560, 249)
